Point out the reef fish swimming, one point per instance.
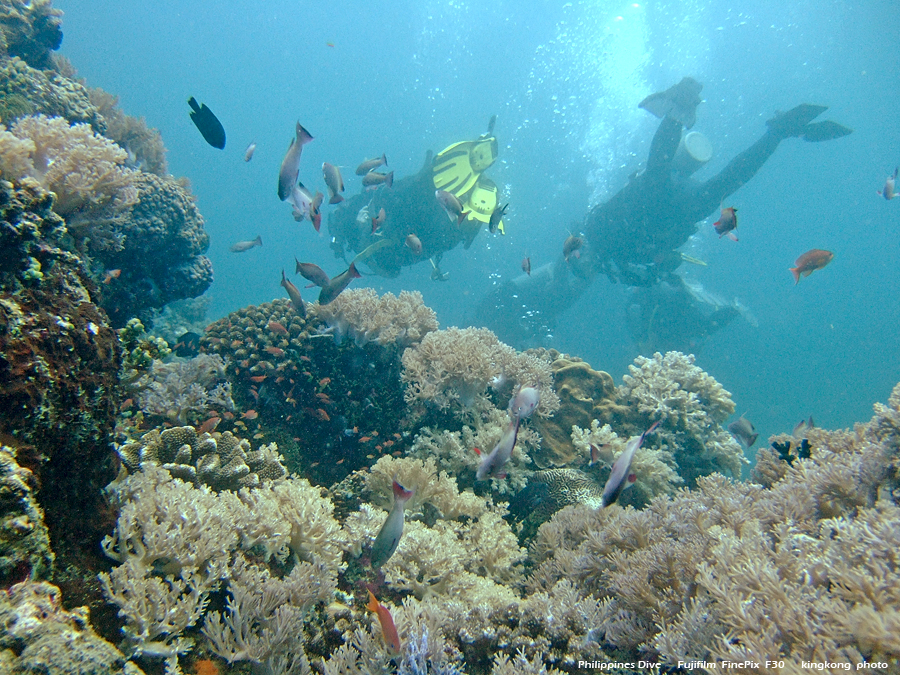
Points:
(621, 475)
(451, 205)
(524, 402)
(743, 430)
(388, 629)
(890, 186)
(294, 294)
(492, 465)
(333, 180)
(389, 535)
(312, 272)
(290, 165)
(809, 262)
(726, 223)
(241, 246)
(370, 164)
(373, 179)
(208, 124)
(248, 154)
(335, 286)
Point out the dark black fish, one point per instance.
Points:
(188, 345)
(208, 124)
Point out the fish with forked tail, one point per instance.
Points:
(241, 246)
(208, 124)
(809, 262)
(744, 431)
(621, 475)
(312, 272)
(389, 535)
(336, 286)
(890, 186)
(370, 164)
(727, 223)
(334, 182)
(290, 165)
(294, 294)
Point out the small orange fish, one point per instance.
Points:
(258, 378)
(324, 382)
(111, 274)
(526, 265)
(208, 426)
(378, 220)
(809, 262)
(228, 416)
(275, 351)
(276, 327)
(250, 415)
(322, 415)
(323, 397)
(236, 343)
(126, 404)
(365, 439)
(304, 357)
(245, 363)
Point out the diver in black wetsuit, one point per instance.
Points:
(633, 237)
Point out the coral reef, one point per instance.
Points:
(691, 406)
(24, 540)
(363, 316)
(39, 636)
(144, 145)
(27, 91)
(219, 461)
(30, 29)
(183, 391)
(347, 400)
(453, 368)
(59, 365)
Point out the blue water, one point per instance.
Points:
(564, 80)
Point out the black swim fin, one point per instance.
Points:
(794, 121)
(824, 131)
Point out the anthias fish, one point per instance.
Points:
(335, 183)
(809, 262)
(370, 164)
(621, 475)
(378, 220)
(492, 465)
(374, 178)
(315, 213)
(208, 124)
(242, 246)
(524, 402)
(335, 286)
(312, 272)
(451, 205)
(744, 431)
(290, 165)
(726, 223)
(414, 244)
(388, 629)
(301, 200)
(496, 216)
(294, 294)
(389, 535)
(890, 186)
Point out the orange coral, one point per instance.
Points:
(205, 667)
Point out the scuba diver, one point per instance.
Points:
(633, 237)
(416, 227)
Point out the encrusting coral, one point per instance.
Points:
(24, 540)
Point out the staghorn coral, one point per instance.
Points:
(219, 461)
(361, 315)
(26, 91)
(691, 406)
(452, 369)
(184, 390)
(30, 29)
(24, 540)
(39, 636)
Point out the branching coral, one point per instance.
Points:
(691, 406)
(453, 368)
(364, 317)
(184, 390)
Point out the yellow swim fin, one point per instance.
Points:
(483, 200)
(452, 169)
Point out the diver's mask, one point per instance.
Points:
(693, 151)
(483, 153)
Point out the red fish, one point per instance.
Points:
(258, 378)
(208, 426)
(250, 415)
(370, 164)
(294, 294)
(275, 351)
(333, 180)
(890, 190)
(809, 262)
(315, 212)
(312, 272)
(451, 205)
(111, 274)
(726, 223)
(388, 629)
(336, 286)
(276, 327)
(526, 265)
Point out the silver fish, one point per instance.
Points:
(622, 467)
(374, 178)
(333, 180)
(492, 465)
(241, 246)
(414, 244)
(524, 402)
(290, 165)
(390, 533)
(743, 430)
(248, 155)
(370, 164)
(301, 199)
